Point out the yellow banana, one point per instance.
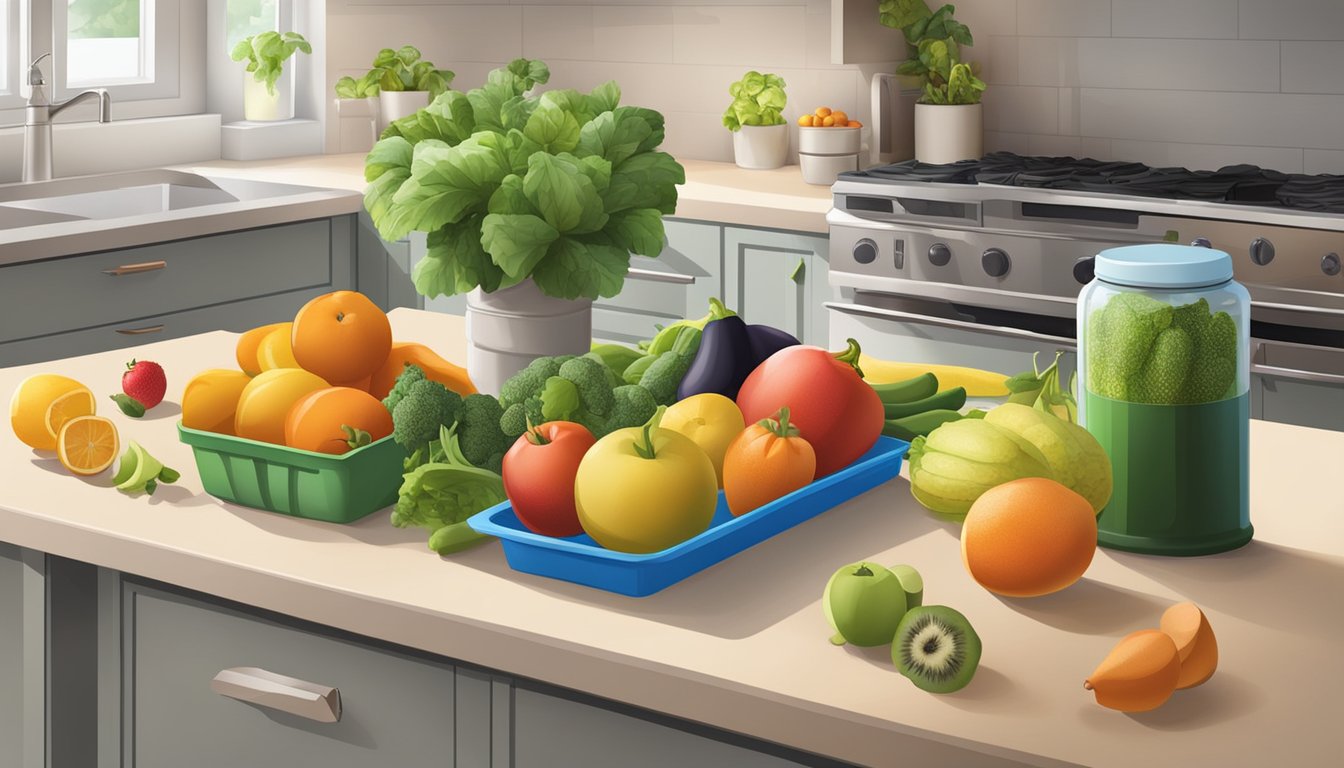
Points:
(978, 383)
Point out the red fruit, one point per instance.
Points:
(145, 382)
(838, 414)
(539, 472)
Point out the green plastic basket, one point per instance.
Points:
(316, 486)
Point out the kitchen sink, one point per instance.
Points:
(112, 196)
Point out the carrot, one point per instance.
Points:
(764, 462)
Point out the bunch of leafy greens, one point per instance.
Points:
(1041, 390)
(266, 54)
(560, 187)
(935, 41)
(757, 100)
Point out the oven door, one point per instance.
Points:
(1297, 383)
(911, 330)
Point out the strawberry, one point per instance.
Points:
(145, 382)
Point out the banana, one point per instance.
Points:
(977, 383)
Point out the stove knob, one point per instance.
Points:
(1262, 251)
(865, 251)
(939, 254)
(1330, 264)
(1201, 242)
(996, 262)
(1084, 270)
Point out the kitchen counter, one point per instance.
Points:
(719, 192)
(744, 645)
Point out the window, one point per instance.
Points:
(9, 52)
(249, 17)
(106, 42)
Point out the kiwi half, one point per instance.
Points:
(936, 648)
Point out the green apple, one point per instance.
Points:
(913, 584)
(864, 603)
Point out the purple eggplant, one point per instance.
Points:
(766, 341)
(723, 361)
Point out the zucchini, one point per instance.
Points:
(909, 390)
(952, 399)
(918, 425)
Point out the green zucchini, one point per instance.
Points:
(952, 399)
(918, 425)
(909, 390)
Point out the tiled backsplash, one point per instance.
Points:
(1201, 83)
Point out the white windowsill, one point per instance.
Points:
(255, 140)
(80, 148)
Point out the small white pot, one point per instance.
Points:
(513, 326)
(357, 124)
(761, 147)
(394, 105)
(262, 105)
(829, 141)
(946, 133)
(823, 169)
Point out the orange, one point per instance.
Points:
(840, 118)
(341, 336)
(29, 403)
(822, 111)
(1028, 537)
(246, 351)
(78, 402)
(210, 400)
(264, 403)
(87, 445)
(855, 124)
(274, 351)
(805, 121)
(315, 421)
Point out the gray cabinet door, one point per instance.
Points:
(396, 710)
(777, 278)
(22, 659)
(676, 285)
(1301, 384)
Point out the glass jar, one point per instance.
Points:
(1164, 372)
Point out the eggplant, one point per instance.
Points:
(723, 361)
(767, 340)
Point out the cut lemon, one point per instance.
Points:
(28, 407)
(87, 445)
(68, 406)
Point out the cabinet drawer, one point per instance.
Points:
(396, 710)
(65, 294)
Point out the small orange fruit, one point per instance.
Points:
(274, 351)
(828, 121)
(1028, 537)
(210, 400)
(264, 403)
(87, 445)
(246, 351)
(840, 117)
(855, 124)
(317, 421)
(341, 336)
(805, 121)
(822, 111)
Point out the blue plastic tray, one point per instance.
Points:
(581, 560)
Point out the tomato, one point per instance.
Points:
(644, 489)
(835, 411)
(539, 472)
(765, 461)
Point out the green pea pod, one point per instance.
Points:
(455, 538)
(952, 399)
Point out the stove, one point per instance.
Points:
(1000, 247)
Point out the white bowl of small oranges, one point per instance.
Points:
(828, 144)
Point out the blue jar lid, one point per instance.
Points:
(1163, 265)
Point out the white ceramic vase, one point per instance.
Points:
(511, 327)
(394, 105)
(761, 147)
(261, 105)
(357, 124)
(946, 133)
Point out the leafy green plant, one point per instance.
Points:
(934, 39)
(560, 187)
(349, 88)
(266, 54)
(757, 100)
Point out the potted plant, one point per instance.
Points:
(403, 82)
(760, 135)
(357, 112)
(532, 205)
(948, 119)
(265, 54)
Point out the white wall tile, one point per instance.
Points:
(1021, 109)
(626, 33)
(1047, 61)
(442, 33)
(754, 37)
(1032, 144)
(1324, 161)
(1195, 117)
(1068, 18)
(552, 32)
(1174, 18)
(1096, 148)
(700, 135)
(1196, 65)
(1314, 67)
(1207, 157)
(997, 57)
(1069, 111)
(1291, 19)
(986, 17)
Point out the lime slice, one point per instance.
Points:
(146, 468)
(126, 468)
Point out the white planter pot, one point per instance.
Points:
(823, 169)
(357, 124)
(946, 133)
(829, 141)
(513, 326)
(394, 105)
(262, 105)
(761, 147)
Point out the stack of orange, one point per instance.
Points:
(825, 117)
(302, 383)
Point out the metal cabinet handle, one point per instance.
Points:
(660, 277)
(130, 269)
(943, 322)
(1295, 374)
(138, 331)
(1297, 308)
(287, 694)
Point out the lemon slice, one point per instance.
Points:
(70, 405)
(87, 445)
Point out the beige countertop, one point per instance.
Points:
(744, 645)
(719, 192)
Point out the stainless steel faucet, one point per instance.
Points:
(37, 123)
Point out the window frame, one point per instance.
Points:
(11, 96)
(160, 38)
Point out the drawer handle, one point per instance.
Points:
(655, 276)
(138, 331)
(267, 689)
(130, 269)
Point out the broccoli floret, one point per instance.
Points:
(634, 407)
(426, 406)
(664, 375)
(410, 374)
(514, 421)
(531, 379)
(590, 377)
(478, 432)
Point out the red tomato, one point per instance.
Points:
(539, 475)
(835, 411)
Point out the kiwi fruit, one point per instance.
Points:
(936, 648)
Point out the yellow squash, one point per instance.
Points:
(978, 383)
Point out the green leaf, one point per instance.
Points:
(486, 104)
(900, 14)
(510, 199)
(514, 113)
(646, 180)
(605, 97)
(129, 405)
(447, 183)
(566, 197)
(386, 168)
(614, 136)
(555, 129)
(388, 154)
(574, 268)
(456, 262)
(346, 88)
(516, 243)
(598, 171)
(408, 55)
(757, 100)
(638, 231)
(385, 58)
